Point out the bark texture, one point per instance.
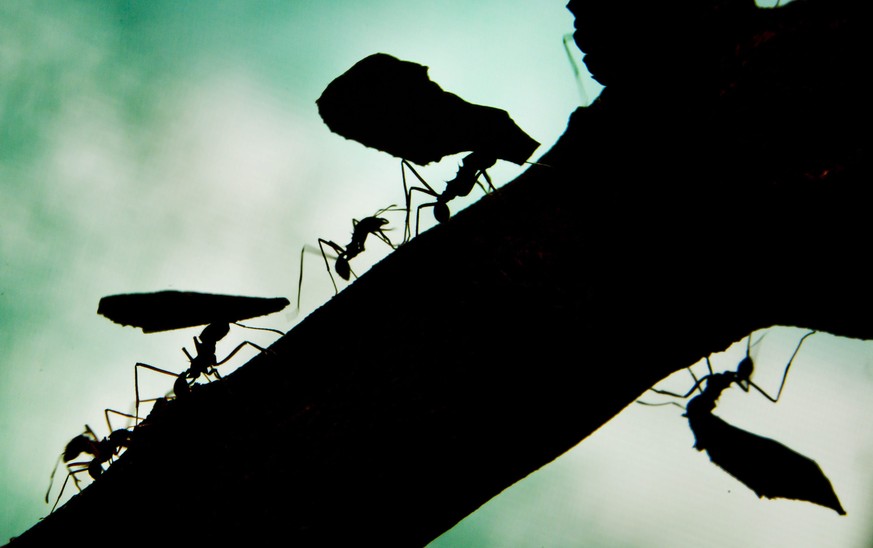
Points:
(719, 185)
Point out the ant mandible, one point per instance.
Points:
(472, 166)
(361, 229)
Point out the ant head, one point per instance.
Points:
(342, 268)
(744, 371)
(441, 212)
(78, 445)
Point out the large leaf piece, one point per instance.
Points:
(393, 106)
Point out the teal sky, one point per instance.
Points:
(169, 145)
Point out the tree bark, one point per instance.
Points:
(662, 227)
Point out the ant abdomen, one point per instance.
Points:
(441, 212)
(95, 469)
(343, 269)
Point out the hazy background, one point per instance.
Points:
(168, 145)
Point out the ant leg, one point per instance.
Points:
(52, 478)
(120, 414)
(697, 383)
(67, 479)
(407, 193)
(136, 381)
(685, 395)
(641, 402)
(418, 211)
(488, 180)
(338, 249)
(235, 350)
(785, 374)
(260, 328)
(300, 277)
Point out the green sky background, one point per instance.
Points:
(176, 145)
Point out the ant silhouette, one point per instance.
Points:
(716, 383)
(361, 229)
(102, 452)
(472, 166)
(203, 363)
(766, 466)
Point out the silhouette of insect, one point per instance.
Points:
(204, 362)
(374, 225)
(167, 310)
(472, 167)
(392, 105)
(716, 383)
(767, 467)
(102, 452)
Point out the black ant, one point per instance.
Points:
(472, 166)
(203, 363)
(766, 466)
(103, 451)
(716, 383)
(361, 229)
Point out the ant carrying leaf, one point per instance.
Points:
(767, 467)
(167, 310)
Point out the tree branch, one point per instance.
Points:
(486, 347)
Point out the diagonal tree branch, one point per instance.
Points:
(664, 228)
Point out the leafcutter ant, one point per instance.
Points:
(716, 383)
(392, 105)
(361, 229)
(102, 452)
(767, 467)
(167, 310)
(472, 167)
(203, 363)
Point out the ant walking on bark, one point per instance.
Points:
(203, 363)
(472, 167)
(374, 225)
(102, 452)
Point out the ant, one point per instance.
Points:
(716, 383)
(472, 166)
(767, 467)
(361, 229)
(103, 451)
(203, 363)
